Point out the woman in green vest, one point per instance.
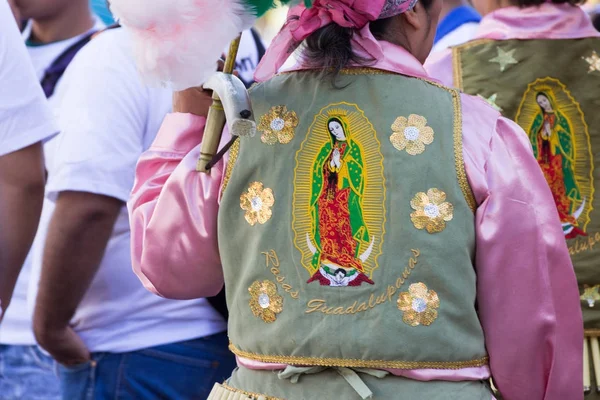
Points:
(363, 167)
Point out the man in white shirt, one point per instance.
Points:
(92, 313)
(56, 30)
(25, 120)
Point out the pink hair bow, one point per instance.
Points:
(303, 22)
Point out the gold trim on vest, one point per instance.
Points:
(222, 391)
(354, 363)
(234, 151)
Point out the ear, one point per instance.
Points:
(411, 17)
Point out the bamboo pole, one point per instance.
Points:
(587, 384)
(215, 120)
(596, 359)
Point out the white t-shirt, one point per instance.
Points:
(247, 57)
(25, 118)
(16, 327)
(108, 118)
(460, 35)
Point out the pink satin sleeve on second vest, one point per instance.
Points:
(173, 214)
(527, 295)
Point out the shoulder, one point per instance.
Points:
(439, 66)
(110, 48)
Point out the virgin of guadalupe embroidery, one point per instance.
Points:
(561, 144)
(339, 196)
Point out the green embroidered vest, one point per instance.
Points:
(551, 89)
(346, 227)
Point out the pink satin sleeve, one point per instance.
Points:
(173, 214)
(527, 293)
(439, 66)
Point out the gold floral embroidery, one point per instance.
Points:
(265, 302)
(278, 125)
(419, 305)
(257, 203)
(590, 294)
(594, 61)
(411, 134)
(432, 211)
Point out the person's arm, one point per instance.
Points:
(528, 299)
(173, 211)
(21, 196)
(78, 234)
(103, 122)
(25, 120)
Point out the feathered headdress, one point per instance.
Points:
(179, 41)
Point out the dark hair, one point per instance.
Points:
(596, 21)
(330, 48)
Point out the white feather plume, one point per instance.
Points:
(178, 42)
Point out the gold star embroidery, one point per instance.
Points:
(594, 61)
(504, 58)
(491, 101)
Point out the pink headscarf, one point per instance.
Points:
(302, 22)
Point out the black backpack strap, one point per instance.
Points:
(56, 70)
(260, 47)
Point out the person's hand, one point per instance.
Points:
(64, 345)
(336, 158)
(195, 100)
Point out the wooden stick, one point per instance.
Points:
(596, 359)
(587, 384)
(215, 120)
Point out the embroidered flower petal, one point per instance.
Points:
(269, 137)
(418, 290)
(426, 135)
(291, 120)
(398, 141)
(446, 211)
(285, 135)
(405, 301)
(436, 225)
(257, 203)
(432, 299)
(436, 196)
(264, 215)
(400, 124)
(415, 147)
(417, 120)
(428, 316)
(411, 317)
(419, 219)
(419, 201)
(265, 302)
(278, 125)
(267, 197)
(419, 305)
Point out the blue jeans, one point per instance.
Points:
(176, 371)
(27, 374)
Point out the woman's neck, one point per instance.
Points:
(74, 21)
